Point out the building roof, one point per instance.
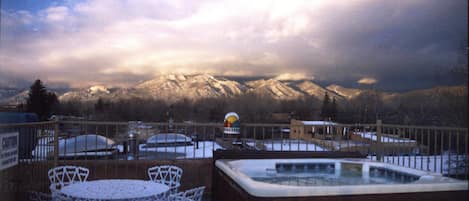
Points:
(318, 123)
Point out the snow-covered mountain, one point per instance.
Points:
(20, 95)
(90, 94)
(312, 89)
(273, 88)
(13, 97)
(173, 87)
(348, 93)
(8, 92)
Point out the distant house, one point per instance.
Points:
(306, 130)
(72, 127)
(28, 138)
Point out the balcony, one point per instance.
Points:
(118, 150)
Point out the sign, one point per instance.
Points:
(8, 150)
(231, 123)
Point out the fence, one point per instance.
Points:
(438, 149)
(127, 149)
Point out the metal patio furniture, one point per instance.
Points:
(62, 176)
(166, 174)
(194, 194)
(116, 189)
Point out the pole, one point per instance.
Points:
(56, 142)
(378, 140)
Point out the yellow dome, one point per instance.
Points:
(231, 119)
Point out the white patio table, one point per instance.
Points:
(116, 189)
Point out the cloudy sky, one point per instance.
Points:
(395, 44)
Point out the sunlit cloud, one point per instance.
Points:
(91, 41)
(293, 76)
(367, 80)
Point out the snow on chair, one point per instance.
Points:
(38, 196)
(65, 175)
(166, 174)
(194, 194)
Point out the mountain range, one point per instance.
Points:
(174, 87)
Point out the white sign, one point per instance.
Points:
(8, 150)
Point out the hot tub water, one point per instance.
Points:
(331, 174)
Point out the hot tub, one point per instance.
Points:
(329, 179)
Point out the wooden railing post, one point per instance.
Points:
(56, 142)
(378, 140)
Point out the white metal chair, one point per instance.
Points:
(166, 174)
(194, 194)
(65, 175)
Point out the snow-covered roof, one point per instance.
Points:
(84, 143)
(168, 138)
(318, 123)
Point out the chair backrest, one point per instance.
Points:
(64, 175)
(166, 174)
(194, 194)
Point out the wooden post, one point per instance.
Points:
(56, 143)
(378, 140)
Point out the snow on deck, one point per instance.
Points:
(205, 149)
(318, 123)
(446, 163)
(384, 139)
(291, 145)
(457, 164)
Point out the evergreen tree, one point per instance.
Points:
(40, 101)
(99, 106)
(325, 110)
(333, 109)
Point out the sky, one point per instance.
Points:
(396, 45)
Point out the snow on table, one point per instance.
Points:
(116, 189)
(291, 145)
(384, 139)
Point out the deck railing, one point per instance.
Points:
(437, 149)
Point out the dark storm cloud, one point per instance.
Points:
(401, 46)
